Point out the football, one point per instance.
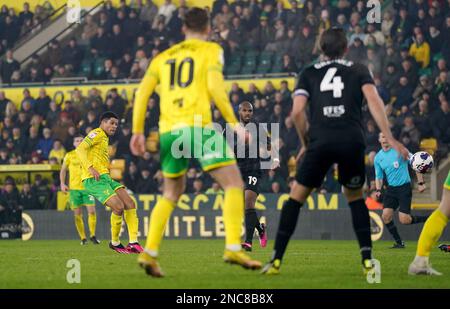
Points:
(421, 162)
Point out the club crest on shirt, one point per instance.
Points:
(92, 134)
(396, 164)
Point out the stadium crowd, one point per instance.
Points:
(408, 53)
(15, 26)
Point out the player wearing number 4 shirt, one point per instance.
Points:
(335, 89)
(248, 156)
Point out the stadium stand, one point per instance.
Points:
(408, 52)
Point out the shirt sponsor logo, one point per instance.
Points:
(333, 111)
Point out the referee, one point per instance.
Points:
(399, 191)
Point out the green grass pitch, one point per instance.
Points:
(198, 264)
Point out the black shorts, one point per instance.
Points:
(320, 157)
(251, 180)
(398, 197)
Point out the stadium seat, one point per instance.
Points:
(429, 145)
(277, 64)
(265, 62)
(117, 168)
(152, 141)
(86, 68)
(249, 64)
(99, 66)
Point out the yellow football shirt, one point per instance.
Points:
(181, 72)
(74, 165)
(93, 151)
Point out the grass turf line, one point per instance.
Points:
(198, 264)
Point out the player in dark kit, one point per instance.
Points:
(250, 166)
(335, 89)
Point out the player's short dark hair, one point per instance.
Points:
(108, 115)
(196, 19)
(333, 42)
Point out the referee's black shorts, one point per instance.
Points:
(398, 197)
(320, 157)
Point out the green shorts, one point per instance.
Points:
(447, 182)
(79, 198)
(103, 189)
(203, 144)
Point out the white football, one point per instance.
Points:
(421, 162)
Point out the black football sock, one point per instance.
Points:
(251, 219)
(393, 230)
(361, 225)
(286, 227)
(418, 219)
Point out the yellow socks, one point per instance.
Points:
(80, 226)
(233, 215)
(158, 220)
(92, 223)
(116, 224)
(432, 230)
(132, 221)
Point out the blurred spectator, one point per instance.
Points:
(197, 186)
(10, 206)
(42, 103)
(403, 93)
(167, 10)
(131, 177)
(123, 143)
(420, 50)
(90, 27)
(58, 152)
(8, 66)
(441, 120)
(27, 198)
(72, 55)
(45, 144)
(42, 192)
(215, 189)
(145, 183)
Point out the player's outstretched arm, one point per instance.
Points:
(62, 176)
(376, 107)
(145, 90)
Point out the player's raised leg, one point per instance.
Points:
(131, 219)
(229, 178)
(173, 188)
(432, 230)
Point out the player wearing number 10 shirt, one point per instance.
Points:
(189, 75)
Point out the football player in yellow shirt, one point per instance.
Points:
(77, 195)
(432, 230)
(94, 157)
(190, 77)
